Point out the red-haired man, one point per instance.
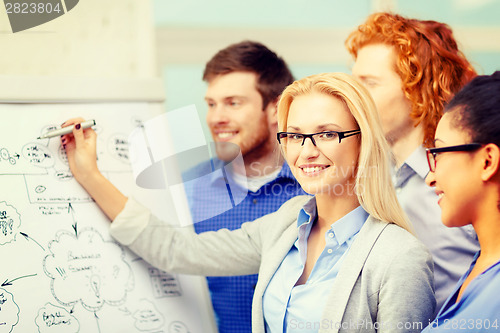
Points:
(412, 68)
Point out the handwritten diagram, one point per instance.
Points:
(6, 156)
(52, 318)
(86, 269)
(61, 271)
(10, 221)
(9, 311)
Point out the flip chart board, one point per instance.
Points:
(61, 270)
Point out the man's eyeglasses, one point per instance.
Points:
(291, 139)
(433, 152)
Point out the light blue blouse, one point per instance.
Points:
(478, 309)
(289, 308)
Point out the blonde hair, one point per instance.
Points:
(374, 188)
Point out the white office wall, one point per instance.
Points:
(97, 38)
(308, 34)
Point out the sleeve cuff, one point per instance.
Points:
(130, 222)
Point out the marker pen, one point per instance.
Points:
(67, 130)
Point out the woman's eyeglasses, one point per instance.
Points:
(290, 139)
(433, 152)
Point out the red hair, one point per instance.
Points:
(431, 66)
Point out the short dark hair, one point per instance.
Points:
(273, 74)
(477, 109)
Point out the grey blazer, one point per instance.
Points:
(384, 285)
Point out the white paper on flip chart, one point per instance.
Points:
(61, 269)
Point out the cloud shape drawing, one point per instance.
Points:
(10, 221)
(9, 311)
(84, 268)
(147, 317)
(55, 319)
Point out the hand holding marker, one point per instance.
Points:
(67, 130)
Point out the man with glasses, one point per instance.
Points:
(412, 68)
(245, 81)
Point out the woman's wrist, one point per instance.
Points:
(104, 193)
(91, 180)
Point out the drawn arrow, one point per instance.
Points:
(97, 321)
(9, 283)
(16, 155)
(75, 224)
(28, 238)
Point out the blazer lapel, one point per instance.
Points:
(349, 272)
(279, 251)
(268, 267)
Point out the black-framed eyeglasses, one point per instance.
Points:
(433, 152)
(298, 139)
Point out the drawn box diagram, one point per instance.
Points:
(44, 190)
(164, 284)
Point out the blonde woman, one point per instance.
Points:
(341, 260)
